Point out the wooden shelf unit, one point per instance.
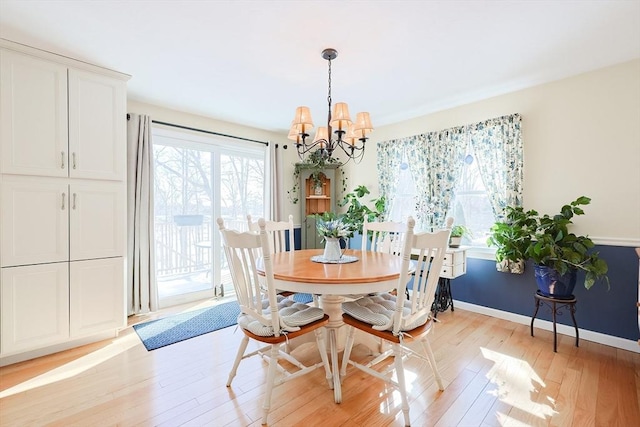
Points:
(313, 203)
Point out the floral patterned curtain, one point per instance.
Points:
(436, 169)
(498, 147)
(436, 161)
(389, 159)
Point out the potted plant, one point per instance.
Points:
(457, 233)
(332, 228)
(317, 161)
(557, 254)
(512, 237)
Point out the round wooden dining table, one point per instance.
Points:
(372, 272)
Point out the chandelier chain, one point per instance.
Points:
(329, 93)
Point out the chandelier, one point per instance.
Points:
(349, 136)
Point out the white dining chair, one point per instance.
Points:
(271, 321)
(280, 233)
(384, 236)
(401, 319)
(281, 239)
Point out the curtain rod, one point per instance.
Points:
(204, 131)
(208, 131)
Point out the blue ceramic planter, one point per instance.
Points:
(552, 284)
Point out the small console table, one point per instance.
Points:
(454, 265)
(556, 304)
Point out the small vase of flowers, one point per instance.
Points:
(332, 228)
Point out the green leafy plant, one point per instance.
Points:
(460, 231)
(317, 161)
(546, 240)
(457, 233)
(357, 210)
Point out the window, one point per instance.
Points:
(198, 178)
(470, 205)
(470, 173)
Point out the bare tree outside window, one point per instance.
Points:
(194, 184)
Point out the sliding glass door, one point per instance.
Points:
(199, 178)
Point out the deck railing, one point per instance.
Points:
(186, 249)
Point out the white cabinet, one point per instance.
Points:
(35, 221)
(33, 115)
(97, 220)
(62, 202)
(95, 304)
(59, 121)
(51, 220)
(35, 306)
(454, 263)
(48, 304)
(97, 126)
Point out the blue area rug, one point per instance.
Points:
(180, 327)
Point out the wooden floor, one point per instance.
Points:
(495, 374)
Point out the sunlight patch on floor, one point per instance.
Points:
(506, 420)
(516, 382)
(76, 367)
(394, 399)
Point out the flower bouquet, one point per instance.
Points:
(332, 228)
(330, 225)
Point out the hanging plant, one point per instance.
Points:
(317, 161)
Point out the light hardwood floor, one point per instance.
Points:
(495, 374)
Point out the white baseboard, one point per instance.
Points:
(609, 340)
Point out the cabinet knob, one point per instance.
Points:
(62, 160)
(73, 155)
(63, 198)
(74, 202)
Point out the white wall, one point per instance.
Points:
(581, 137)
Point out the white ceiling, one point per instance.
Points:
(253, 62)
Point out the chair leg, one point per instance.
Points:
(322, 347)
(347, 350)
(271, 376)
(402, 384)
(241, 350)
(432, 361)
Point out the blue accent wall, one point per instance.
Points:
(608, 311)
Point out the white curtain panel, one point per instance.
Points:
(275, 180)
(142, 292)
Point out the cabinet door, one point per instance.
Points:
(35, 306)
(33, 116)
(311, 239)
(34, 221)
(97, 219)
(97, 126)
(96, 296)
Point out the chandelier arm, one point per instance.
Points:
(304, 147)
(354, 152)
